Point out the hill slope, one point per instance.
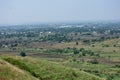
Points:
(10, 72)
(44, 70)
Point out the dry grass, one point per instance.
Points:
(10, 72)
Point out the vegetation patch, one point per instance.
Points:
(45, 70)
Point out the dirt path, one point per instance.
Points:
(41, 55)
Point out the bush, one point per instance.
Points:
(23, 54)
(82, 49)
(98, 55)
(118, 66)
(83, 54)
(94, 61)
(76, 51)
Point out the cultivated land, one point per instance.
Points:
(77, 51)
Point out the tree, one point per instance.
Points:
(76, 43)
(22, 53)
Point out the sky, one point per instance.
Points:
(40, 11)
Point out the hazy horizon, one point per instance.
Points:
(46, 11)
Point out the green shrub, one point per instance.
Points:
(76, 51)
(23, 54)
(94, 61)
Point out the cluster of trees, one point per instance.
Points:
(81, 51)
(84, 52)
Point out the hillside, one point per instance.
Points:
(18, 68)
(10, 72)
